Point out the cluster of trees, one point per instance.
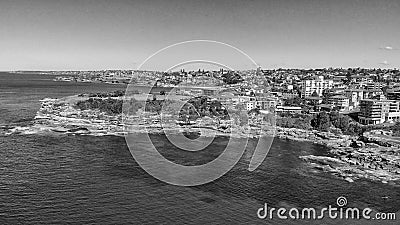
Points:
(322, 121)
(117, 93)
(299, 121)
(396, 129)
(108, 105)
(231, 78)
(202, 106)
(296, 101)
(133, 105)
(326, 95)
(157, 105)
(195, 108)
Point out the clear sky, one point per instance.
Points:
(89, 35)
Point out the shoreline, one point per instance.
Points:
(369, 160)
(349, 158)
(352, 158)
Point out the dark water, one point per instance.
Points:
(55, 179)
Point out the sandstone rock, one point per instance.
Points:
(357, 144)
(348, 179)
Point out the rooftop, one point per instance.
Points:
(339, 97)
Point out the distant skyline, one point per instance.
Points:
(97, 35)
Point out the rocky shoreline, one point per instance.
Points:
(60, 116)
(350, 157)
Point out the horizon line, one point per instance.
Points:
(284, 68)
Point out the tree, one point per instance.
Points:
(396, 129)
(334, 116)
(109, 105)
(240, 107)
(231, 78)
(296, 101)
(270, 118)
(321, 122)
(243, 118)
(254, 111)
(315, 94)
(355, 129)
(340, 121)
(133, 106)
(326, 94)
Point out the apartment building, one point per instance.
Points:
(372, 93)
(318, 85)
(339, 102)
(262, 103)
(393, 94)
(354, 96)
(375, 85)
(373, 111)
(289, 109)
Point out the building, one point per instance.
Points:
(250, 105)
(375, 85)
(292, 94)
(289, 109)
(324, 107)
(354, 96)
(370, 112)
(393, 94)
(361, 79)
(311, 100)
(265, 103)
(210, 91)
(339, 102)
(198, 91)
(262, 103)
(317, 85)
(373, 111)
(371, 93)
(225, 97)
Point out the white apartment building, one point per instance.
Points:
(260, 103)
(317, 85)
(339, 102)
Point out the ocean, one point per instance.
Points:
(72, 179)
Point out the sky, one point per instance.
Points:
(120, 34)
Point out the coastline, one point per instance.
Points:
(350, 157)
